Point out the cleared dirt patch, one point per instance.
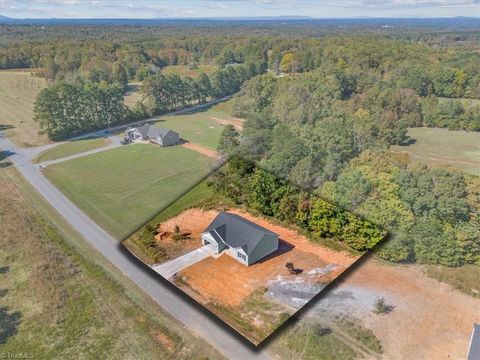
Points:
(237, 123)
(229, 282)
(202, 150)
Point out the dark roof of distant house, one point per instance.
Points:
(238, 232)
(474, 351)
(152, 131)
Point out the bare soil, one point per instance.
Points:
(202, 150)
(237, 123)
(431, 320)
(229, 282)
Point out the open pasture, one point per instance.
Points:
(122, 188)
(18, 89)
(202, 126)
(442, 147)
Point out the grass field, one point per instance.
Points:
(71, 148)
(123, 188)
(133, 94)
(305, 341)
(440, 147)
(18, 89)
(60, 299)
(463, 278)
(184, 70)
(201, 126)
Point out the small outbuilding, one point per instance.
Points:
(246, 241)
(474, 348)
(147, 132)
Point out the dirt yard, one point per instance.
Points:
(430, 320)
(230, 282)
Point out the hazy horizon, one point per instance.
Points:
(168, 9)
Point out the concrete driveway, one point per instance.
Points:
(170, 268)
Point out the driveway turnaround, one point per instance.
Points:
(194, 318)
(170, 268)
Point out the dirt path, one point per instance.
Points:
(202, 150)
(237, 123)
(431, 320)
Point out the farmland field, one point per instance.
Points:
(122, 188)
(61, 299)
(201, 126)
(18, 89)
(440, 147)
(71, 148)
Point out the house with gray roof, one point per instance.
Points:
(147, 132)
(474, 348)
(246, 241)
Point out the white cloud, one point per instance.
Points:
(216, 5)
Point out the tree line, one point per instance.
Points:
(69, 108)
(171, 92)
(248, 185)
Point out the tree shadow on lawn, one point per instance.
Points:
(9, 322)
(5, 127)
(4, 154)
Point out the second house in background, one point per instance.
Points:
(160, 136)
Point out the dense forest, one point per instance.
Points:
(329, 130)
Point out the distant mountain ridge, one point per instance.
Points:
(469, 22)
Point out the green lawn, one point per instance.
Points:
(200, 126)
(123, 188)
(71, 148)
(440, 147)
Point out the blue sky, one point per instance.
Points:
(232, 8)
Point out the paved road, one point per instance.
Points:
(170, 268)
(193, 316)
(115, 142)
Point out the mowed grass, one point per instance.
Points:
(440, 147)
(60, 299)
(71, 148)
(202, 126)
(184, 70)
(18, 89)
(121, 189)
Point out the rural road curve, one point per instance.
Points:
(178, 306)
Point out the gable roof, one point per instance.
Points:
(152, 131)
(238, 232)
(474, 350)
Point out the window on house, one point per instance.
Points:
(241, 256)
